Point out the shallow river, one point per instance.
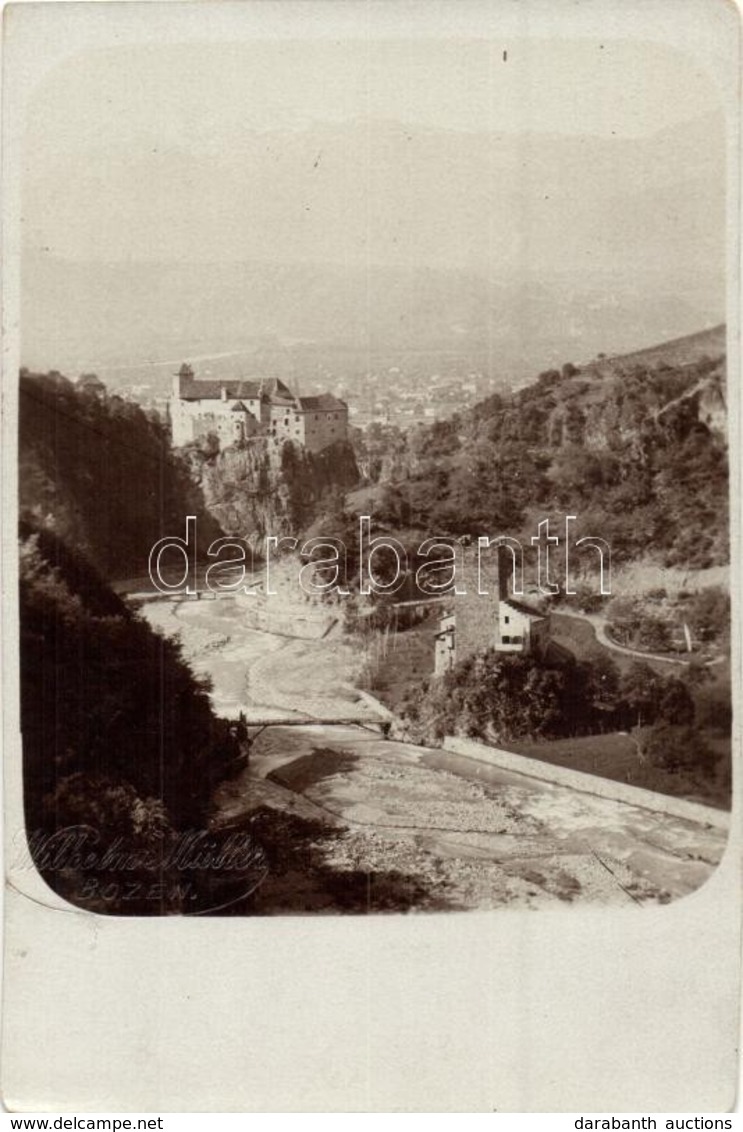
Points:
(499, 837)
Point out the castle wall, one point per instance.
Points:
(194, 420)
(277, 413)
(476, 623)
(324, 427)
(540, 636)
(287, 423)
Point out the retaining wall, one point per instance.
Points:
(589, 783)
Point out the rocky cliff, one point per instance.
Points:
(268, 488)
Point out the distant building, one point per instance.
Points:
(493, 620)
(90, 383)
(236, 410)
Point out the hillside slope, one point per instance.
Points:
(709, 343)
(101, 474)
(636, 446)
(120, 743)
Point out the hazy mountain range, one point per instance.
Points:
(376, 236)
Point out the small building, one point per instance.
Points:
(324, 421)
(511, 628)
(243, 424)
(445, 644)
(520, 628)
(90, 383)
(476, 622)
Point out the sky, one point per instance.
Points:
(504, 156)
(129, 151)
(206, 95)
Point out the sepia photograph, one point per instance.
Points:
(372, 395)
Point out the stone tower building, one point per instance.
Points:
(476, 621)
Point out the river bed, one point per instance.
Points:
(429, 830)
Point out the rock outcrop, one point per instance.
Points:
(267, 487)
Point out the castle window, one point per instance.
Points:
(506, 640)
(517, 640)
(506, 621)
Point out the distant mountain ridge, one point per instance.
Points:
(297, 317)
(377, 236)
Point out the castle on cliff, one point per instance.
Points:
(236, 410)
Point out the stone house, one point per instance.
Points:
(477, 621)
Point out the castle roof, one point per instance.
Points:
(238, 407)
(198, 389)
(323, 402)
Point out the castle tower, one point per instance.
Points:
(184, 376)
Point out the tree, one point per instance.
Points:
(134, 713)
(640, 687)
(587, 598)
(697, 674)
(579, 473)
(676, 705)
(126, 841)
(679, 748)
(708, 614)
(624, 618)
(714, 708)
(603, 680)
(654, 634)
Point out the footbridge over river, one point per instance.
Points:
(377, 727)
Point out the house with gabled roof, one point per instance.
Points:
(476, 621)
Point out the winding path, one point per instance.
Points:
(599, 626)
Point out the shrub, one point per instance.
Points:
(679, 748)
